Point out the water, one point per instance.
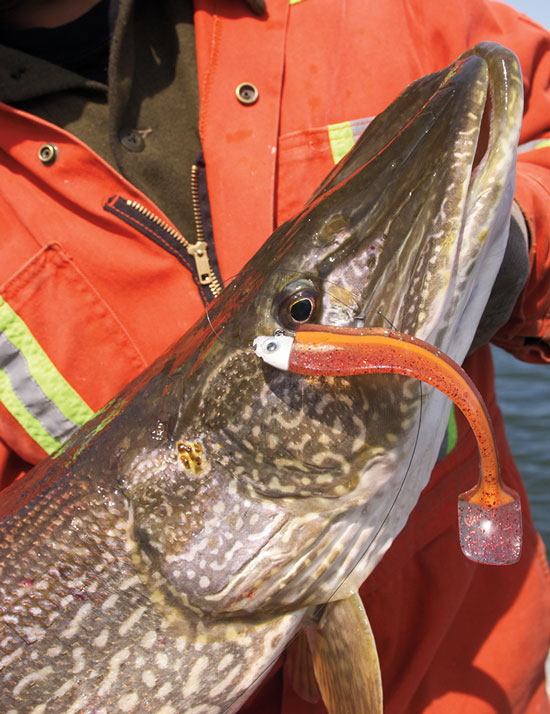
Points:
(524, 396)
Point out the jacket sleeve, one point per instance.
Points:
(527, 333)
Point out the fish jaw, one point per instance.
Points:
(487, 210)
(416, 264)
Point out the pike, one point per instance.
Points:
(172, 549)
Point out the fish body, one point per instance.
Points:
(164, 558)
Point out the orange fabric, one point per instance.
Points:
(104, 301)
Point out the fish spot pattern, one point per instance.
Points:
(144, 656)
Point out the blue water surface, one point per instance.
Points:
(524, 396)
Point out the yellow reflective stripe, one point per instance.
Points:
(31, 425)
(294, 2)
(533, 145)
(53, 385)
(452, 431)
(341, 139)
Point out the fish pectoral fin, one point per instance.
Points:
(299, 668)
(345, 660)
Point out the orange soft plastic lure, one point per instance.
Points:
(489, 514)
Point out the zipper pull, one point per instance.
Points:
(199, 251)
(166, 236)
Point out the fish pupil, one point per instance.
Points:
(301, 310)
(296, 304)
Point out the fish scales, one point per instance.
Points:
(83, 584)
(164, 558)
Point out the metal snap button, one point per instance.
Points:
(131, 140)
(48, 154)
(247, 93)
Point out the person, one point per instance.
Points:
(109, 159)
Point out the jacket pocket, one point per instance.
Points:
(306, 157)
(63, 353)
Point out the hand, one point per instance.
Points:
(257, 6)
(509, 282)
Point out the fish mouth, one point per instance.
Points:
(465, 263)
(430, 287)
(399, 232)
(485, 216)
(421, 204)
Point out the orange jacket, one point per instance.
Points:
(94, 300)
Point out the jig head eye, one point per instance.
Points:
(296, 304)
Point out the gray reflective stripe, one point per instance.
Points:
(535, 144)
(29, 393)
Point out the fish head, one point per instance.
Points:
(275, 491)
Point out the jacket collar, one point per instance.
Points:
(24, 77)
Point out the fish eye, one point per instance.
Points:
(296, 304)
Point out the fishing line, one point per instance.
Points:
(353, 303)
(390, 323)
(218, 334)
(320, 608)
(401, 486)
(207, 313)
(396, 497)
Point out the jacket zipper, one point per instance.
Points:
(199, 249)
(147, 222)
